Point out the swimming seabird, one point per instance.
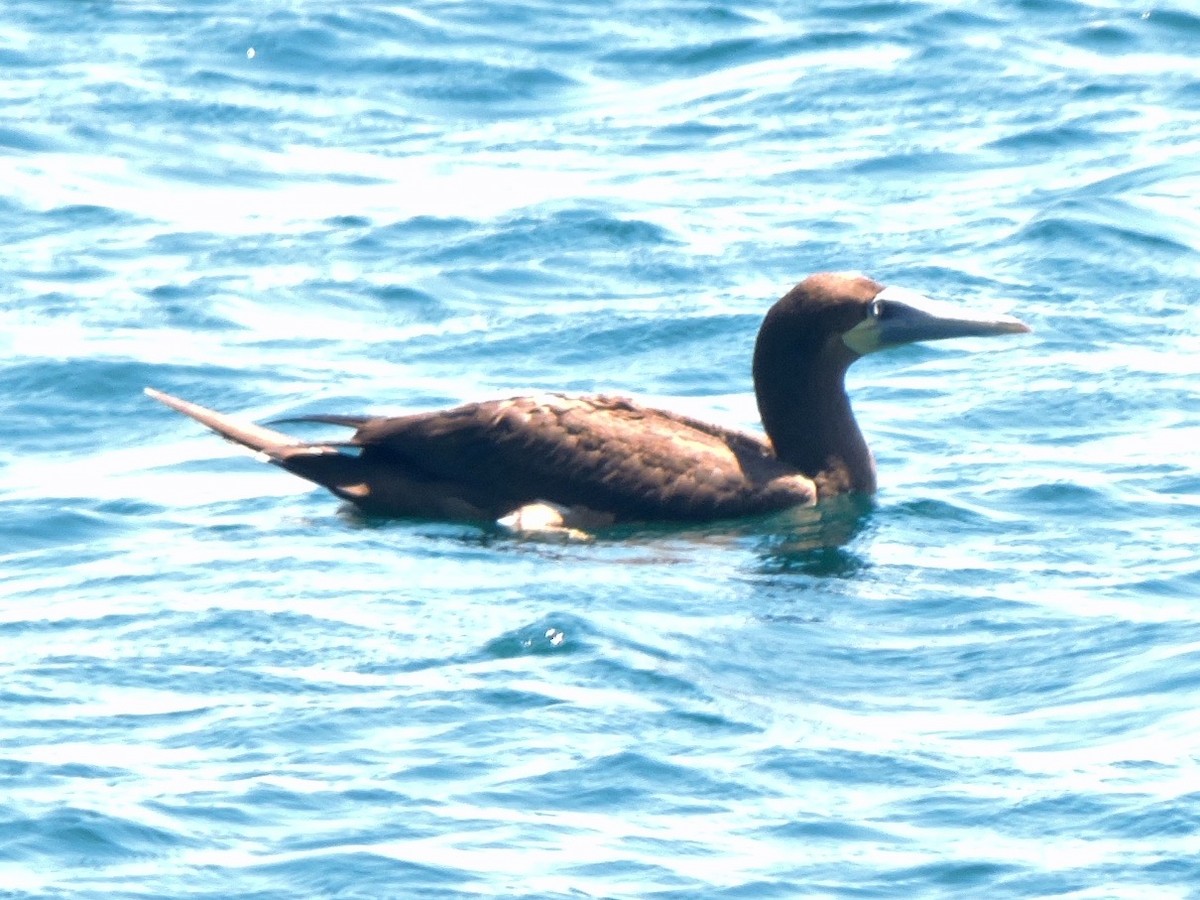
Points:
(555, 460)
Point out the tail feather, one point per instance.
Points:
(370, 485)
(255, 437)
(319, 463)
(325, 419)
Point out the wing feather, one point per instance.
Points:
(605, 453)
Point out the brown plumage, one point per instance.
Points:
(611, 459)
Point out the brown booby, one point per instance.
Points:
(557, 461)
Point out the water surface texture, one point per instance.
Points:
(218, 683)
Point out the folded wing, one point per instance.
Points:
(604, 453)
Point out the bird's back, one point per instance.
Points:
(607, 454)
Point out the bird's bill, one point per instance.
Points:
(898, 316)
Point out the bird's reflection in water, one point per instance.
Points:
(813, 540)
(809, 540)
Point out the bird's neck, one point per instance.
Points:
(808, 418)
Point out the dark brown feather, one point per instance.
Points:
(620, 460)
(604, 453)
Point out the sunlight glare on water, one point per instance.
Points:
(219, 682)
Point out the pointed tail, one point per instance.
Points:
(255, 437)
(319, 463)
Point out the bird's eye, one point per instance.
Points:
(877, 309)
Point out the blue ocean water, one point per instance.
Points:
(217, 683)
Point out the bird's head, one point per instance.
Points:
(850, 315)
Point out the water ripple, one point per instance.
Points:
(218, 682)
